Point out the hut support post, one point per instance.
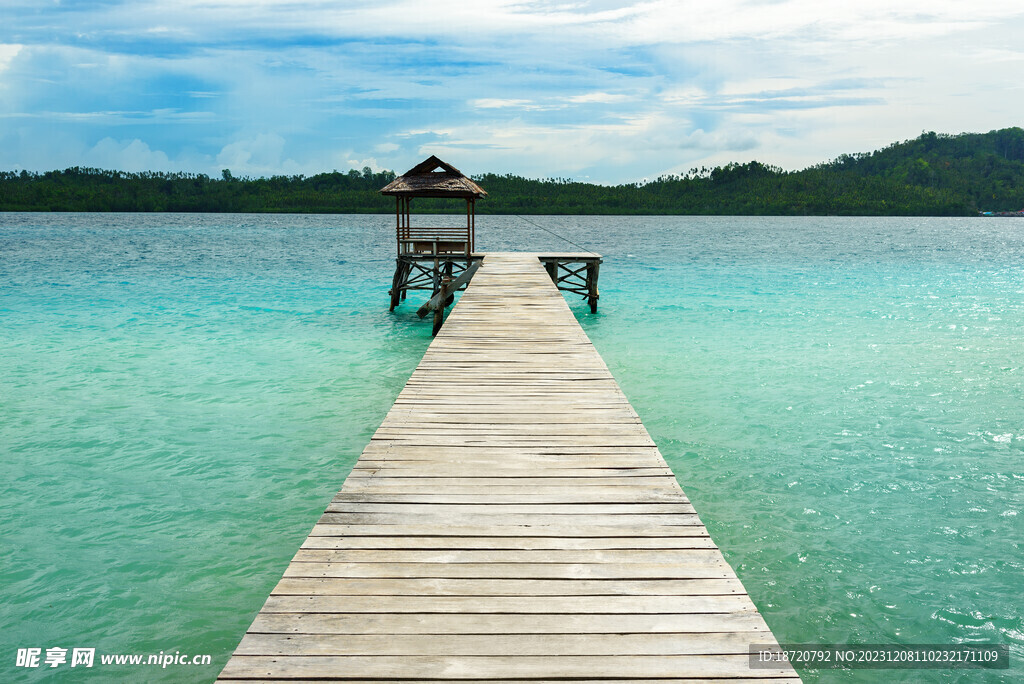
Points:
(448, 264)
(398, 283)
(407, 218)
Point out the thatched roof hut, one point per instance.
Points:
(434, 178)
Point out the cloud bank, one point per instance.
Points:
(607, 91)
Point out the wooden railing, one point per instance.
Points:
(416, 240)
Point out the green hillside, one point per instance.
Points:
(933, 175)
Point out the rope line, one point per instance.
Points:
(560, 237)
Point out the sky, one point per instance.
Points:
(602, 91)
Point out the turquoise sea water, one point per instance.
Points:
(181, 395)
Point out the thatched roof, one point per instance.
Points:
(433, 178)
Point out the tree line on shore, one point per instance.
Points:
(932, 175)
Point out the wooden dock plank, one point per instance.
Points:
(588, 496)
(546, 605)
(455, 668)
(317, 541)
(511, 519)
(720, 643)
(307, 586)
(672, 680)
(418, 508)
(509, 623)
(504, 531)
(548, 570)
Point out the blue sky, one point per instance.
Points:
(603, 91)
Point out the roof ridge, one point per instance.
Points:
(430, 164)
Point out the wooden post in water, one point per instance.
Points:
(401, 276)
(443, 297)
(592, 295)
(552, 269)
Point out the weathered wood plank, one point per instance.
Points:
(317, 541)
(555, 531)
(507, 623)
(513, 440)
(486, 497)
(305, 586)
(493, 468)
(423, 508)
(706, 570)
(681, 557)
(511, 520)
(554, 645)
(659, 680)
(609, 480)
(463, 667)
(547, 605)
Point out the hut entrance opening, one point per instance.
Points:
(426, 240)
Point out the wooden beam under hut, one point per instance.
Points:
(425, 271)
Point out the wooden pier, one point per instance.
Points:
(510, 520)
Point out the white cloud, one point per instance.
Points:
(587, 24)
(685, 95)
(683, 21)
(597, 98)
(126, 155)
(986, 55)
(360, 164)
(7, 54)
(761, 85)
(607, 147)
(258, 155)
(498, 103)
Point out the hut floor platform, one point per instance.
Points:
(511, 520)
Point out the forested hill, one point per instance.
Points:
(937, 175)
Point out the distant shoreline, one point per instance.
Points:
(969, 174)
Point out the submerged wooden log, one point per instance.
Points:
(442, 295)
(435, 302)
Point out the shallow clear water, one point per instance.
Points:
(181, 395)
